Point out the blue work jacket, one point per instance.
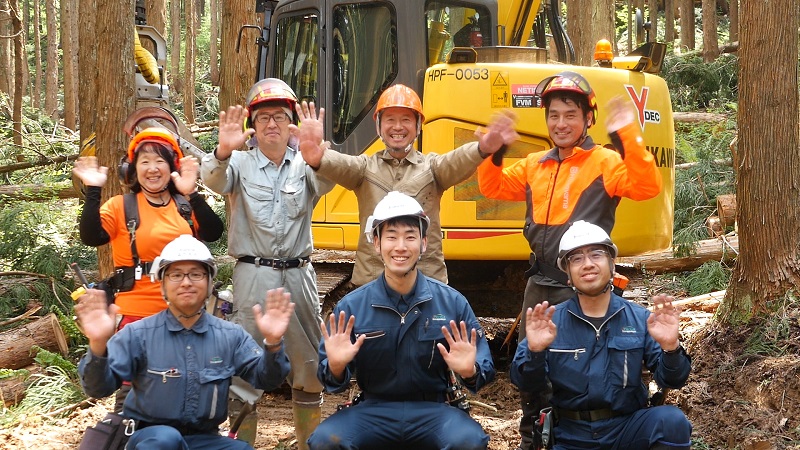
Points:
(601, 368)
(399, 356)
(180, 376)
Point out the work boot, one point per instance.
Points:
(120, 396)
(249, 427)
(306, 419)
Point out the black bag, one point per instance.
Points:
(111, 433)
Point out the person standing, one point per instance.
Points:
(593, 347)
(400, 167)
(271, 192)
(402, 337)
(575, 180)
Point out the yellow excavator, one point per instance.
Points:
(468, 60)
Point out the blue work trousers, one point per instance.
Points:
(665, 425)
(384, 425)
(162, 437)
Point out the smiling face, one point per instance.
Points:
(152, 168)
(566, 122)
(398, 129)
(185, 296)
(271, 134)
(589, 268)
(400, 245)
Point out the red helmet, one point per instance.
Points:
(269, 90)
(399, 96)
(568, 82)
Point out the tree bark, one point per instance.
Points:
(12, 389)
(190, 18)
(718, 249)
(710, 43)
(116, 97)
(16, 344)
(768, 176)
(175, 46)
(20, 62)
(687, 25)
(6, 50)
(237, 70)
(87, 62)
(36, 92)
(733, 16)
(51, 73)
(588, 22)
(669, 21)
(156, 15)
(652, 17)
(214, 38)
(69, 26)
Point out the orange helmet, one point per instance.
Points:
(269, 90)
(159, 136)
(399, 96)
(568, 82)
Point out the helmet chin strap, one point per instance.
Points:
(605, 289)
(580, 140)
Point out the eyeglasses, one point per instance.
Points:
(177, 277)
(579, 259)
(278, 117)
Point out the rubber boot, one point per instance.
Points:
(120, 396)
(306, 419)
(249, 428)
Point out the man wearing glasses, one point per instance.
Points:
(593, 347)
(181, 360)
(272, 192)
(575, 180)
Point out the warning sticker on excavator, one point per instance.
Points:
(500, 92)
(522, 95)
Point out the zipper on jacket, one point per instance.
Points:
(596, 329)
(577, 352)
(546, 224)
(402, 316)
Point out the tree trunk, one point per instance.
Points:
(666, 261)
(16, 344)
(87, 62)
(652, 16)
(20, 62)
(669, 21)
(630, 25)
(687, 25)
(37, 192)
(6, 52)
(51, 72)
(175, 45)
(639, 32)
(190, 18)
(156, 15)
(733, 16)
(710, 43)
(12, 389)
(214, 38)
(237, 70)
(116, 97)
(768, 177)
(69, 26)
(36, 92)
(586, 24)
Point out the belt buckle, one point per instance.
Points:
(278, 264)
(302, 262)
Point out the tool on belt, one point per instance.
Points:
(543, 437)
(455, 394)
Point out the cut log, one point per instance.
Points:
(723, 248)
(694, 117)
(726, 209)
(12, 389)
(38, 192)
(705, 302)
(16, 344)
(714, 227)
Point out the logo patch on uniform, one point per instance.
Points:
(629, 329)
(216, 360)
(439, 318)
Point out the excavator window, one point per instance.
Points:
(297, 45)
(455, 24)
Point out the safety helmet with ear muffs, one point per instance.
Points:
(155, 135)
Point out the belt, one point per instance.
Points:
(184, 430)
(276, 264)
(436, 397)
(145, 265)
(586, 416)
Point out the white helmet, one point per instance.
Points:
(184, 248)
(395, 204)
(581, 234)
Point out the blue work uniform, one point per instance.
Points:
(600, 399)
(180, 376)
(401, 373)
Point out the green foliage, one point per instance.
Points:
(75, 338)
(11, 373)
(711, 276)
(47, 393)
(695, 85)
(776, 334)
(46, 358)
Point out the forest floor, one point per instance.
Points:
(735, 400)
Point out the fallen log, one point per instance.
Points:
(16, 344)
(39, 163)
(705, 302)
(726, 209)
(12, 389)
(38, 192)
(694, 117)
(723, 248)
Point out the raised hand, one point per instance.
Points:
(231, 131)
(90, 172)
(619, 113)
(339, 348)
(273, 320)
(501, 131)
(97, 319)
(663, 322)
(463, 348)
(186, 180)
(539, 327)
(310, 132)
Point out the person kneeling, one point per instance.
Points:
(401, 336)
(181, 360)
(592, 349)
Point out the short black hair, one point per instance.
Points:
(567, 96)
(155, 148)
(413, 222)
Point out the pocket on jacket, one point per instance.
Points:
(214, 384)
(294, 197)
(625, 360)
(259, 201)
